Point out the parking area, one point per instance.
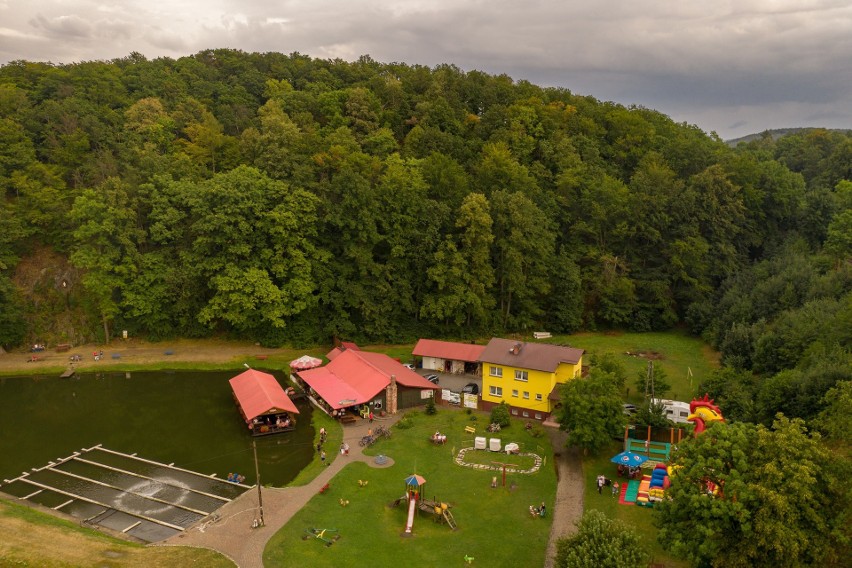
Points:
(453, 382)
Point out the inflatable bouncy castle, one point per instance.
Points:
(702, 411)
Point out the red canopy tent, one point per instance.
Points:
(258, 394)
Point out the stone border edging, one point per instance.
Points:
(460, 461)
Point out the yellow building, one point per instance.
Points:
(527, 375)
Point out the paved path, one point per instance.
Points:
(568, 506)
(233, 536)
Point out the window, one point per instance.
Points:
(514, 412)
(526, 414)
(538, 397)
(496, 371)
(538, 415)
(521, 376)
(526, 395)
(495, 391)
(515, 393)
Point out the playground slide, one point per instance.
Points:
(412, 506)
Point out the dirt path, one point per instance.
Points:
(137, 352)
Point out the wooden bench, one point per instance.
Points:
(261, 357)
(542, 334)
(470, 429)
(348, 419)
(63, 347)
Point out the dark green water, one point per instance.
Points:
(188, 418)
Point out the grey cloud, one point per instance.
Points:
(63, 26)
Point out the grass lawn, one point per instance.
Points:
(494, 525)
(32, 538)
(678, 353)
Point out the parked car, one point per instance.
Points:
(471, 388)
(408, 366)
(629, 409)
(432, 379)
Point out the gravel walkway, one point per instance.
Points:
(231, 533)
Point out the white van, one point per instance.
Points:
(675, 410)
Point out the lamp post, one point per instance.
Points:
(257, 474)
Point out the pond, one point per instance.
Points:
(186, 418)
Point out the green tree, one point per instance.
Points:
(783, 499)
(106, 245)
(833, 420)
(13, 326)
(524, 250)
(253, 240)
(653, 382)
(601, 542)
(592, 411)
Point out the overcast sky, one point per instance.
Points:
(733, 67)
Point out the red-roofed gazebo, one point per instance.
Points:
(265, 406)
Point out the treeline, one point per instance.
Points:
(289, 199)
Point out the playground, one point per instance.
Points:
(456, 512)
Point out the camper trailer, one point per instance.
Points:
(675, 410)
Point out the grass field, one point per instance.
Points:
(494, 524)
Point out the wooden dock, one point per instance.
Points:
(69, 372)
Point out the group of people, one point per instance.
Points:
(268, 421)
(538, 511)
(603, 481)
(236, 478)
(439, 438)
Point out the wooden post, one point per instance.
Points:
(504, 471)
(257, 474)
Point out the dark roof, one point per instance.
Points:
(448, 350)
(536, 356)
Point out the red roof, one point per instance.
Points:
(355, 377)
(448, 350)
(259, 393)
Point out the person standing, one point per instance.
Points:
(615, 488)
(600, 483)
(322, 457)
(371, 417)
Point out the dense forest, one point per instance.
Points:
(288, 199)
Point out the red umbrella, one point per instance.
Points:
(305, 362)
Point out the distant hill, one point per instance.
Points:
(777, 133)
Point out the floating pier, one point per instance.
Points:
(147, 500)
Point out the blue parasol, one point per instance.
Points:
(631, 459)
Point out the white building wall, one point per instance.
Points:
(433, 363)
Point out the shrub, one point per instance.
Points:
(500, 415)
(430, 407)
